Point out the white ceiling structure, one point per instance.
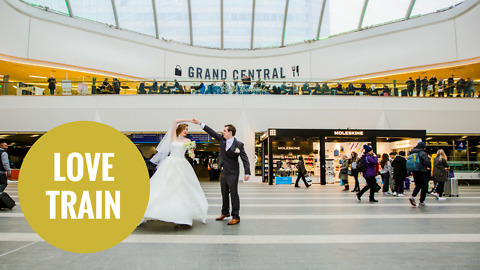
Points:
(243, 24)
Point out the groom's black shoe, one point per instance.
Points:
(222, 217)
(234, 221)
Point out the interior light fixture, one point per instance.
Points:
(464, 137)
(33, 76)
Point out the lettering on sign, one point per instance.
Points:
(237, 74)
(402, 144)
(348, 133)
(289, 148)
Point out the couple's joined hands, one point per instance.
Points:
(192, 120)
(195, 121)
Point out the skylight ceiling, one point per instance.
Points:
(243, 24)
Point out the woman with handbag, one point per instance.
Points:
(385, 170)
(354, 172)
(440, 166)
(344, 172)
(301, 172)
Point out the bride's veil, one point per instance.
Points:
(163, 148)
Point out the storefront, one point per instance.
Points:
(322, 149)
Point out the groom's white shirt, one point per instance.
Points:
(229, 143)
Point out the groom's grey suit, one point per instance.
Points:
(230, 171)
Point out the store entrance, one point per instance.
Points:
(322, 149)
(335, 149)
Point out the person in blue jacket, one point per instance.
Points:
(369, 174)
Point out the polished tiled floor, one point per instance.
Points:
(281, 228)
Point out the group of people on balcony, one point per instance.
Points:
(419, 87)
(441, 87)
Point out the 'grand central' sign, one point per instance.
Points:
(238, 74)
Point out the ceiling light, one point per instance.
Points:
(464, 137)
(33, 76)
(429, 138)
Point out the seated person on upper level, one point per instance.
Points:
(259, 82)
(235, 88)
(316, 90)
(363, 88)
(104, 85)
(338, 88)
(350, 89)
(201, 88)
(373, 90)
(224, 87)
(246, 80)
(154, 87)
(141, 89)
(176, 85)
(306, 89)
(386, 90)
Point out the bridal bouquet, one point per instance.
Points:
(190, 147)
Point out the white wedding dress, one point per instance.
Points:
(175, 193)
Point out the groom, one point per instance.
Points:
(230, 150)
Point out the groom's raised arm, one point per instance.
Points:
(209, 130)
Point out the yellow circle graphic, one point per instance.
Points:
(83, 187)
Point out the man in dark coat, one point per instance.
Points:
(230, 150)
(399, 165)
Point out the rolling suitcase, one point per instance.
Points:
(451, 187)
(6, 201)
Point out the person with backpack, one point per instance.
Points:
(419, 164)
(366, 165)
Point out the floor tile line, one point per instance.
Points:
(22, 247)
(273, 239)
(268, 216)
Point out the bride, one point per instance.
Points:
(175, 193)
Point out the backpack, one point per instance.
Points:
(413, 163)
(362, 164)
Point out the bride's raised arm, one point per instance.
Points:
(174, 127)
